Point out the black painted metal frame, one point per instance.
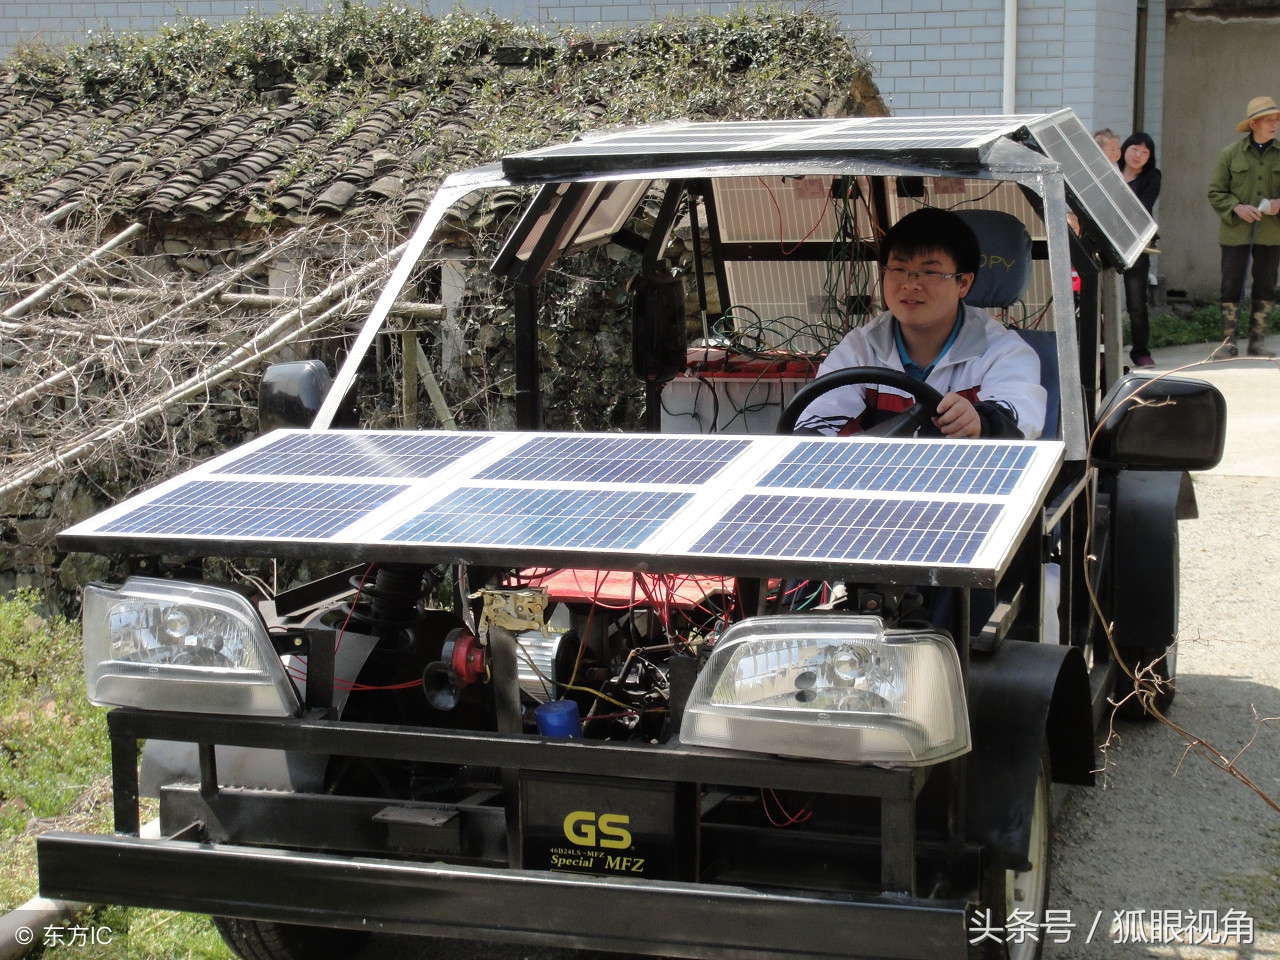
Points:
(658, 918)
(193, 870)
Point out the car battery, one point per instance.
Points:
(721, 392)
(609, 826)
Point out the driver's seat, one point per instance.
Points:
(1005, 246)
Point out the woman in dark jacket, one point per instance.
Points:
(1137, 165)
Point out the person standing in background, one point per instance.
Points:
(1245, 192)
(1109, 141)
(1138, 167)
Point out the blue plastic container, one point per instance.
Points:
(559, 718)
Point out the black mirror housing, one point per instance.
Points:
(290, 394)
(1161, 423)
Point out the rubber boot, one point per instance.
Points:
(1230, 327)
(1258, 329)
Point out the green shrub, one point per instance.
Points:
(1203, 326)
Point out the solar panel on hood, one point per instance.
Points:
(853, 508)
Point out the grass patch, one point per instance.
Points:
(55, 773)
(1203, 326)
(54, 759)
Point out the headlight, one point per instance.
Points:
(832, 687)
(168, 645)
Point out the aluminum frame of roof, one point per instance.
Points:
(910, 140)
(1005, 159)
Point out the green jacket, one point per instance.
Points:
(1244, 176)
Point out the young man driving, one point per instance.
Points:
(988, 376)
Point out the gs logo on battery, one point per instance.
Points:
(587, 829)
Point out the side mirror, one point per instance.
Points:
(290, 394)
(1161, 423)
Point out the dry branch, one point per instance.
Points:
(89, 375)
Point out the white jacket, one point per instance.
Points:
(986, 362)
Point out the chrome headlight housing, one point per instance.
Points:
(171, 645)
(830, 686)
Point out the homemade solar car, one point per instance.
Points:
(713, 690)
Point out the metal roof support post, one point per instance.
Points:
(1112, 329)
(528, 396)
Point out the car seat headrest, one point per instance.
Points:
(1005, 246)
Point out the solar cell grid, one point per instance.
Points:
(620, 459)
(390, 455)
(902, 467)
(722, 504)
(849, 529)
(565, 519)
(255, 509)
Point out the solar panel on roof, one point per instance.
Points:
(1096, 183)
(354, 454)
(913, 138)
(255, 509)
(617, 459)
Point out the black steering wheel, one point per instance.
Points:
(916, 417)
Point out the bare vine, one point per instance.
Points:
(127, 363)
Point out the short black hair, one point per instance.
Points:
(933, 230)
(1146, 141)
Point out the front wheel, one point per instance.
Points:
(264, 940)
(1013, 899)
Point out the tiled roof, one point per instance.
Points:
(218, 160)
(280, 156)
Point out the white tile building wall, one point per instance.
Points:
(931, 56)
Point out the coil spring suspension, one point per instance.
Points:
(392, 603)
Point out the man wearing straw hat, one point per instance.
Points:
(1245, 192)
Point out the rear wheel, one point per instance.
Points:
(264, 940)
(1015, 897)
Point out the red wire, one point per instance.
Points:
(789, 819)
(774, 200)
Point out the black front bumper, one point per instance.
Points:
(518, 906)
(279, 857)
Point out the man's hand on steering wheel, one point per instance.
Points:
(905, 424)
(957, 417)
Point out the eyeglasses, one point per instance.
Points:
(927, 277)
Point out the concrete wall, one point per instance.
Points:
(1205, 95)
(943, 56)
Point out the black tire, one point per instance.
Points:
(1156, 665)
(1157, 670)
(1006, 890)
(264, 940)
(1146, 610)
